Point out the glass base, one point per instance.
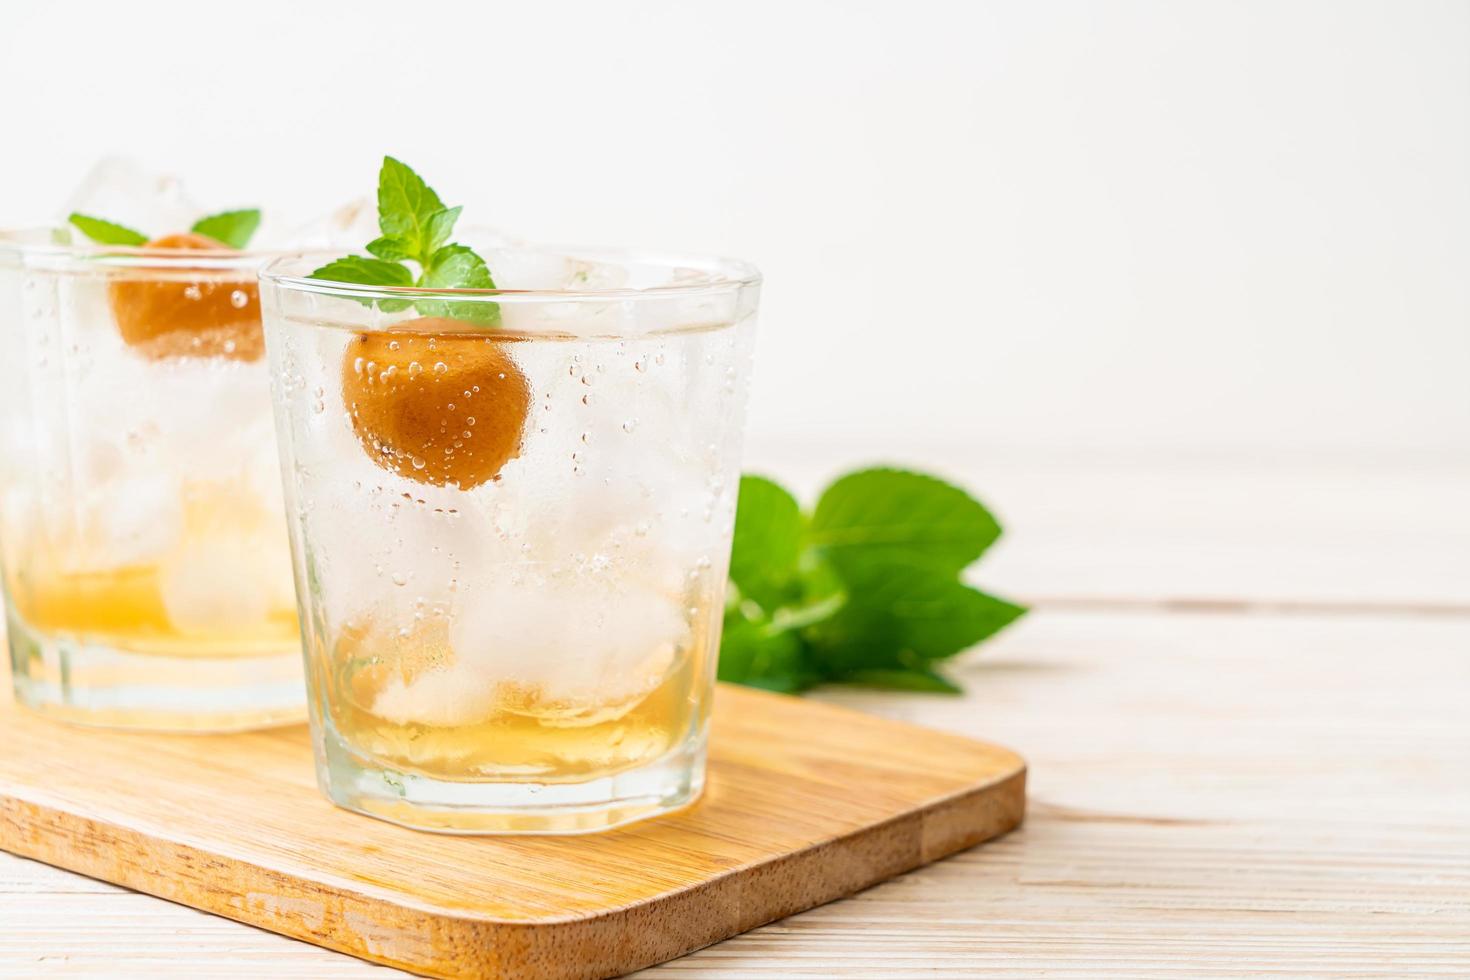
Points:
(448, 807)
(96, 684)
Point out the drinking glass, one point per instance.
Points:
(142, 536)
(511, 514)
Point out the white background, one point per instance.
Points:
(1220, 228)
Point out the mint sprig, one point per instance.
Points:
(864, 590)
(232, 228)
(415, 228)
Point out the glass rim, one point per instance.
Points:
(727, 275)
(13, 242)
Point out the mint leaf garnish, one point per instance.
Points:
(106, 232)
(390, 249)
(865, 591)
(416, 227)
(405, 206)
(458, 266)
(369, 272)
(438, 229)
(233, 228)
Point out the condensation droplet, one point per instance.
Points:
(399, 578)
(414, 369)
(239, 299)
(630, 425)
(440, 367)
(418, 462)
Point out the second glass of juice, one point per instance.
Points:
(142, 538)
(511, 514)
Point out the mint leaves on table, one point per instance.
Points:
(416, 227)
(232, 228)
(863, 590)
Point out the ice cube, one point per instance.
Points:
(609, 462)
(578, 642)
(348, 227)
(121, 191)
(212, 413)
(118, 523)
(522, 267)
(445, 696)
(519, 266)
(218, 584)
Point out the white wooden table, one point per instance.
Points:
(1245, 697)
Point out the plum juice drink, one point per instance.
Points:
(513, 539)
(142, 537)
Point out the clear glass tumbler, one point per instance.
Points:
(511, 515)
(142, 533)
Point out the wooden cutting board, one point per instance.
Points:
(806, 803)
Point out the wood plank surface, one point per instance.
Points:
(806, 802)
(1245, 722)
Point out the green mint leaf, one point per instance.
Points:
(106, 232)
(908, 516)
(390, 249)
(925, 680)
(405, 206)
(368, 272)
(233, 228)
(439, 227)
(416, 227)
(767, 544)
(900, 615)
(754, 655)
(458, 267)
(866, 591)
